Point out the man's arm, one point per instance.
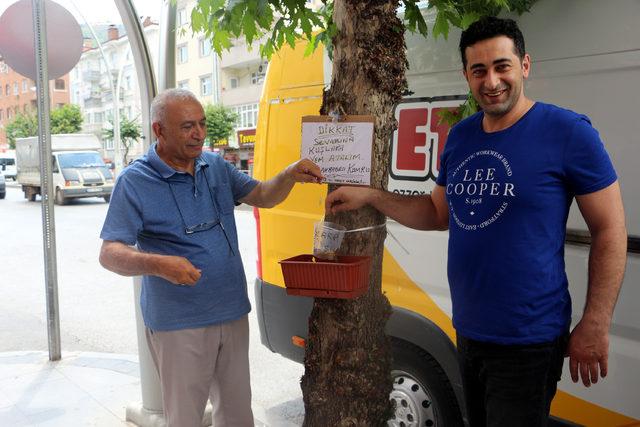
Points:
(589, 342)
(427, 212)
(269, 193)
(128, 261)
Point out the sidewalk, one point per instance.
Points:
(82, 389)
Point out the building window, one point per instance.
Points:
(87, 118)
(8, 113)
(16, 89)
(233, 82)
(247, 115)
(205, 85)
(182, 17)
(1, 115)
(183, 54)
(7, 89)
(60, 84)
(256, 78)
(205, 47)
(98, 117)
(108, 144)
(127, 83)
(183, 84)
(24, 85)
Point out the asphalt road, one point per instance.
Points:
(96, 306)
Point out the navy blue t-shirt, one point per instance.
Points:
(509, 194)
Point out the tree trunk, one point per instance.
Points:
(347, 377)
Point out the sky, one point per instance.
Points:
(101, 11)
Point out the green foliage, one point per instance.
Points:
(459, 13)
(66, 119)
(22, 126)
(273, 22)
(130, 132)
(466, 109)
(220, 123)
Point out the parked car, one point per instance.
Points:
(3, 186)
(8, 165)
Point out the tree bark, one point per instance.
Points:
(347, 377)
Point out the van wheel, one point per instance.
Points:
(107, 198)
(60, 200)
(421, 390)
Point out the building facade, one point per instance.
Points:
(233, 80)
(18, 95)
(91, 85)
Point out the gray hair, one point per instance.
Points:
(159, 104)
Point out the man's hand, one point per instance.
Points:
(178, 270)
(588, 350)
(347, 199)
(129, 261)
(304, 171)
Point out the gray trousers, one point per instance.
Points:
(196, 364)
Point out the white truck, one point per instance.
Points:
(78, 168)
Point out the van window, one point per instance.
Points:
(7, 161)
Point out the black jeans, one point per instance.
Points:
(510, 385)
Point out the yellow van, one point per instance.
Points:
(586, 57)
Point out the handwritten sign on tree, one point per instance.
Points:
(341, 148)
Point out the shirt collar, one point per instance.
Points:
(164, 169)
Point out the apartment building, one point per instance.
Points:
(233, 80)
(91, 81)
(18, 95)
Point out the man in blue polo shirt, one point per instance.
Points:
(171, 220)
(507, 178)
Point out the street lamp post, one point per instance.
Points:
(116, 98)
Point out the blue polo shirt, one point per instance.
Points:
(164, 211)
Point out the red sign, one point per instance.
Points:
(418, 142)
(246, 137)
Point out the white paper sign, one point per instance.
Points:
(342, 149)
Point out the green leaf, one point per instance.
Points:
(468, 19)
(290, 36)
(441, 26)
(311, 45)
(249, 27)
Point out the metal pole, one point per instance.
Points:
(46, 180)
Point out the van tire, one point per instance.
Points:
(421, 390)
(60, 199)
(107, 199)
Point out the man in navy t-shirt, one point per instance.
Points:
(507, 178)
(171, 220)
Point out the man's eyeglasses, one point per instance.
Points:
(203, 226)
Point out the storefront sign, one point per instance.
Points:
(246, 137)
(221, 143)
